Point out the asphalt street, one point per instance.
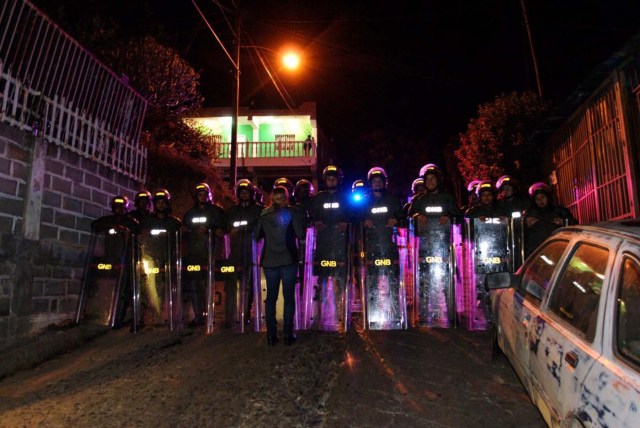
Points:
(155, 378)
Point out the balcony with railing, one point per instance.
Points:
(266, 139)
(271, 153)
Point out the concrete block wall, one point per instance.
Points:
(41, 271)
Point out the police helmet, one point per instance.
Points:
(300, 184)
(431, 168)
(162, 194)
(120, 200)
(377, 171)
(505, 179)
(143, 194)
(472, 186)
(485, 185)
(358, 186)
(245, 184)
(284, 182)
(332, 170)
(539, 187)
(202, 187)
(417, 182)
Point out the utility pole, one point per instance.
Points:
(235, 107)
(533, 52)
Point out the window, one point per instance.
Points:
(538, 271)
(576, 296)
(628, 312)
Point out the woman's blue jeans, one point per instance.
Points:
(288, 275)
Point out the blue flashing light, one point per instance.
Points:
(357, 197)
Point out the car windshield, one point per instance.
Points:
(540, 267)
(577, 295)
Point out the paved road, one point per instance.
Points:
(415, 378)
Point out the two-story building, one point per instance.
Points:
(271, 143)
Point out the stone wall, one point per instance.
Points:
(48, 198)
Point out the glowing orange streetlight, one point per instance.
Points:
(291, 60)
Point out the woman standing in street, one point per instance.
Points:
(279, 225)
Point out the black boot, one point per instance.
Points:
(272, 340)
(289, 339)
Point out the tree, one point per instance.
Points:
(118, 33)
(495, 142)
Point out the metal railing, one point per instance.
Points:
(270, 149)
(592, 159)
(50, 85)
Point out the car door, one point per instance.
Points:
(519, 305)
(611, 392)
(562, 334)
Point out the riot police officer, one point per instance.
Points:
(119, 217)
(241, 220)
(157, 248)
(382, 214)
(329, 214)
(161, 218)
(543, 216)
(303, 193)
(198, 221)
(487, 206)
(330, 217)
(508, 196)
(142, 202)
(417, 188)
(117, 248)
(472, 198)
(434, 202)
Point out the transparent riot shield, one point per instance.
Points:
(384, 290)
(326, 295)
(434, 273)
(197, 275)
(405, 250)
(157, 292)
(240, 273)
(487, 250)
(107, 283)
(516, 240)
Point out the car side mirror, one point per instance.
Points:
(498, 280)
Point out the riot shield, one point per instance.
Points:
(240, 272)
(434, 273)
(487, 250)
(516, 240)
(107, 282)
(197, 275)
(326, 295)
(385, 299)
(157, 292)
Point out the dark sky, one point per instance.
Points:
(419, 68)
(416, 68)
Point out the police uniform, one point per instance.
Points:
(331, 208)
(242, 217)
(544, 227)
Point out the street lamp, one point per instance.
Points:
(290, 61)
